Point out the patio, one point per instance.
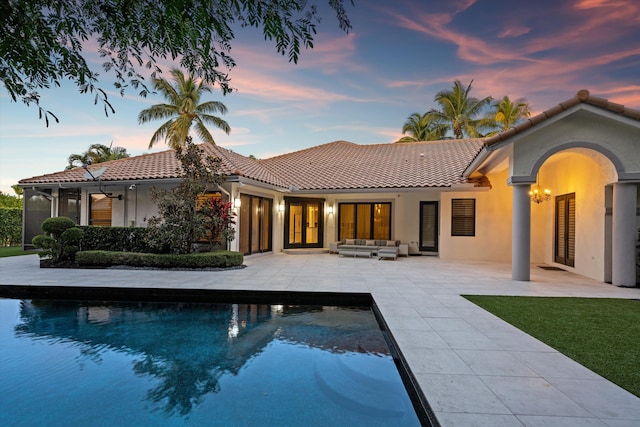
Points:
(474, 369)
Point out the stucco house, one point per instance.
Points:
(457, 199)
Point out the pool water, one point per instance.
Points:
(66, 363)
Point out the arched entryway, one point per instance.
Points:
(581, 153)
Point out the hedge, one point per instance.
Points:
(116, 239)
(218, 259)
(10, 226)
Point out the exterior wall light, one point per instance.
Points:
(281, 207)
(330, 209)
(236, 202)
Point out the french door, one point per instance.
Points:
(565, 227)
(303, 223)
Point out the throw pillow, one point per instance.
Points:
(350, 241)
(391, 242)
(370, 243)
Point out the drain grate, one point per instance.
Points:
(551, 268)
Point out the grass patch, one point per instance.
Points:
(599, 333)
(6, 251)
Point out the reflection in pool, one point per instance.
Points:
(75, 363)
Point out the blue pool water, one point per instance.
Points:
(65, 363)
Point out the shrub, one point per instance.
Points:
(10, 226)
(218, 259)
(57, 225)
(125, 239)
(61, 240)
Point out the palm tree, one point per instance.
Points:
(97, 153)
(458, 110)
(183, 110)
(506, 114)
(423, 127)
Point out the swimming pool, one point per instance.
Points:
(160, 363)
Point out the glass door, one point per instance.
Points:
(295, 224)
(429, 226)
(303, 224)
(255, 219)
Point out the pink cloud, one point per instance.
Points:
(472, 49)
(514, 31)
(258, 84)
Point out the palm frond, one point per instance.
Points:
(217, 122)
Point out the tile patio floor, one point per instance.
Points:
(474, 369)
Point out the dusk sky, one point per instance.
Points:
(361, 86)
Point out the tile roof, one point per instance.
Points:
(344, 165)
(334, 166)
(583, 96)
(161, 165)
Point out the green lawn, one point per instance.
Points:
(601, 334)
(13, 251)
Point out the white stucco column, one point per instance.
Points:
(624, 235)
(521, 233)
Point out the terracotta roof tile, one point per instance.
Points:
(161, 165)
(583, 96)
(344, 165)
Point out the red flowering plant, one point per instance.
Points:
(219, 220)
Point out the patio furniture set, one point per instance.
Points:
(369, 248)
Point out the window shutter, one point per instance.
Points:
(463, 217)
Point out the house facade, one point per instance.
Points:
(457, 199)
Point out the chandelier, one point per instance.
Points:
(538, 195)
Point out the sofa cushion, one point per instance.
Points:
(370, 243)
(391, 243)
(361, 242)
(350, 241)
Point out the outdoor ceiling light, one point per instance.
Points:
(537, 195)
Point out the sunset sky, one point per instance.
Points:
(361, 86)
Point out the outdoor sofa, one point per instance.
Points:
(368, 248)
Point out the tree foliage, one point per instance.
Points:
(506, 113)
(459, 110)
(184, 110)
(97, 153)
(180, 222)
(9, 201)
(422, 127)
(44, 42)
(462, 115)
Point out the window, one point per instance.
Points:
(364, 221)
(100, 214)
(203, 198)
(69, 204)
(463, 217)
